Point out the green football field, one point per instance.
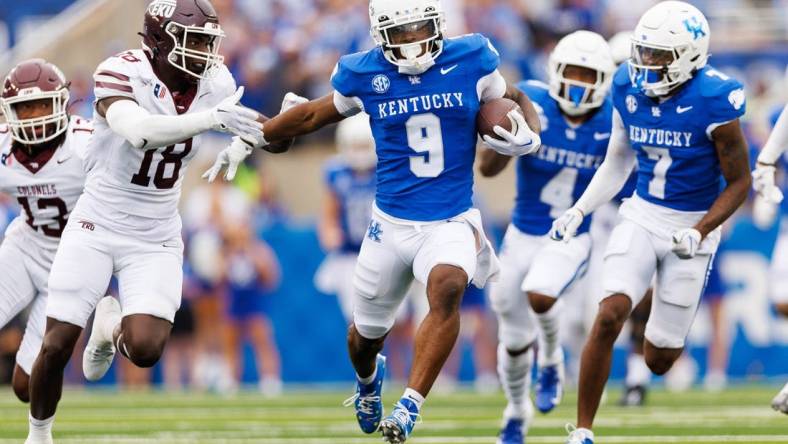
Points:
(738, 415)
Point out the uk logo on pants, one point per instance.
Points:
(374, 232)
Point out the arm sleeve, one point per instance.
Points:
(491, 87)
(778, 141)
(614, 171)
(347, 103)
(144, 130)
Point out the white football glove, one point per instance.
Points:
(519, 143)
(291, 100)
(230, 116)
(764, 212)
(565, 227)
(231, 156)
(763, 183)
(685, 243)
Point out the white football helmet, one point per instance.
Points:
(588, 50)
(356, 144)
(669, 44)
(392, 20)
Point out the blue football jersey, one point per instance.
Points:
(355, 194)
(424, 126)
(678, 166)
(551, 181)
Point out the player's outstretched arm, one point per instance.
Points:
(735, 164)
(763, 181)
(302, 119)
(145, 130)
(607, 182)
(329, 232)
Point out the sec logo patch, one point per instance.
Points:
(632, 104)
(381, 84)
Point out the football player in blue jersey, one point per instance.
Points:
(422, 92)
(349, 180)
(769, 196)
(678, 119)
(575, 112)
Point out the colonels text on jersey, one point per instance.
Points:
(46, 186)
(144, 182)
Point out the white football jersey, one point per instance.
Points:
(47, 188)
(136, 191)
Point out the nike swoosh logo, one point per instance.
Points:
(62, 161)
(680, 110)
(601, 136)
(144, 143)
(203, 95)
(445, 71)
(169, 246)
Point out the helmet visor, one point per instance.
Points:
(28, 124)
(411, 33)
(196, 48)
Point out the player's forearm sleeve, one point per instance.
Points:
(778, 141)
(491, 87)
(613, 173)
(145, 130)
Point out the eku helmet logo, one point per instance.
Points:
(162, 8)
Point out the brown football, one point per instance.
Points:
(494, 113)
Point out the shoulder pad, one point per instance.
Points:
(361, 62)
(536, 90)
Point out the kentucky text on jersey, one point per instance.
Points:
(560, 156)
(419, 104)
(37, 190)
(663, 137)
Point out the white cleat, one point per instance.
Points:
(39, 439)
(780, 402)
(579, 436)
(100, 351)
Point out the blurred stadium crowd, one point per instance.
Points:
(249, 261)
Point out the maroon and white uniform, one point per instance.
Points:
(47, 188)
(127, 223)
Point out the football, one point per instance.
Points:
(495, 113)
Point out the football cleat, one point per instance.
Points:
(512, 432)
(515, 428)
(634, 396)
(100, 351)
(368, 401)
(579, 436)
(780, 402)
(398, 426)
(549, 387)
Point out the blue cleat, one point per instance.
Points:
(397, 427)
(549, 387)
(512, 432)
(579, 436)
(367, 400)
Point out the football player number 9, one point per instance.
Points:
(425, 136)
(162, 180)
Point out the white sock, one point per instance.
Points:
(414, 396)
(368, 380)
(41, 427)
(515, 375)
(638, 372)
(550, 352)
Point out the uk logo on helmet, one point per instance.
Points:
(162, 8)
(694, 26)
(381, 84)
